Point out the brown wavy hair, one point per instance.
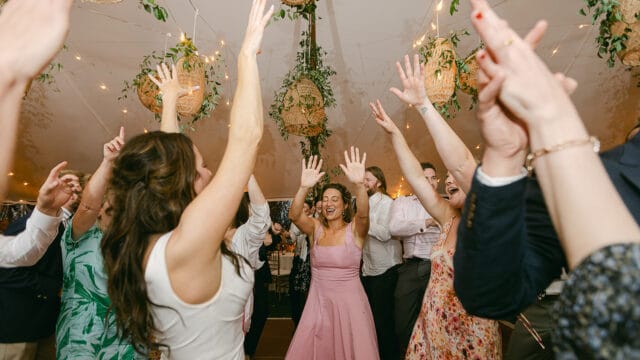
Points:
(150, 187)
(347, 214)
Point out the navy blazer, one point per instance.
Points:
(508, 251)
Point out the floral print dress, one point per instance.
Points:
(444, 330)
(82, 331)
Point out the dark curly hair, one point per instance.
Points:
(348, 213)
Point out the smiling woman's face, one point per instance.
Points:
(456, 195)
(332, 204)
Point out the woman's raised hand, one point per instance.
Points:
(168, 83)
(112, 148)
(311, 172)
(354, 167)
(255, 28)
(383, 119)
(412, 78)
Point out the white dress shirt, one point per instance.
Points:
(26, 248)
(249, 236)
(380, 252)
(407, 223)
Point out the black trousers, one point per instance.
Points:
(260, 309)
(522, 345)
(298, 298)
(380, 291)
(413, 278)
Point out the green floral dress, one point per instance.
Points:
(81, 332)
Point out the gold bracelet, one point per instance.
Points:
(565, 145)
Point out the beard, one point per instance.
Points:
(371, 192)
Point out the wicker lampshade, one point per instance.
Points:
(631, 55)
(190, 104)
(295, 2)
(303, 111)
(440, 72)
(147, 92)
(469, 80)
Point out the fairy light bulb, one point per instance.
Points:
(439, 7)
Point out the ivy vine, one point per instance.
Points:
(154, 9)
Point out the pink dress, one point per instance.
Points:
(337, 322)
(444, 330)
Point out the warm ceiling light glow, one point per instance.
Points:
(433, 26)
(103, 86)
(221, 42)
(478, 147)
(228, 103)
(206, 59)
(10, 174)
(124, 111)
(78, 57)
(226, 76)
(183, 37)
(25, 183)
(582, 26)
(145, 130)
(217, 52)
(439, 7)
(554, 51)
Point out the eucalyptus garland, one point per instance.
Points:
(154, 9)
(608, 11)
(185, 48)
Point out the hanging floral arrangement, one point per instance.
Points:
(192, 70)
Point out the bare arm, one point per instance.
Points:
(93, 193)
(354, 169)
(311, 174)
(31, 33)
(456, 156)
(435, 205)
(171, 90)
(204, 222)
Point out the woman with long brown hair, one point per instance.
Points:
(173, 282)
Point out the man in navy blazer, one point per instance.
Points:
(508, 251)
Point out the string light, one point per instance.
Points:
(206, 59)
(103, 86)
(145, 130)
(554, 51)
(183, 37)
(433, 26)
(439, 7)
(221, 42)
(25, 183)
(478, 147)
(582, 26)
(228, 103)
(226, 76)
(11, 174)
(124, 111)
(78, 57)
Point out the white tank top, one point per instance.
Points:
(210, 330)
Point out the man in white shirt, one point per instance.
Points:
(411, 223)
(26, 248)
(381, 256)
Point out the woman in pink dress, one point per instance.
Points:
(336, 322)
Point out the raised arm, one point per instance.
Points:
(27, 248)
(432, 201)
(31, 33)
(311, 174)
(170, 90)
(354, 169)
(93, 194)
(204, 222)
(454, 153)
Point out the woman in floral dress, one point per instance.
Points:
(444, 330)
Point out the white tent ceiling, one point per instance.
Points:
(363, 38)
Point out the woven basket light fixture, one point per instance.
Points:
(190, 103)
(469, 80)
(295, 2)
(440, 71)
(147, 92)
(631, 55)
(303, 109)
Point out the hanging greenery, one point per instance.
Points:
(154, 9)
(190, 67)
(444, 70)
(615, 28)
(309, 65)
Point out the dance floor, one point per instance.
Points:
(275, 339)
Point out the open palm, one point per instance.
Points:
(354, 167)
(412, 78)
(311, 173)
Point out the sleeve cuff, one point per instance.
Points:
(487, 180)
(45, 222)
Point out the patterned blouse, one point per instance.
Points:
(81, 332)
